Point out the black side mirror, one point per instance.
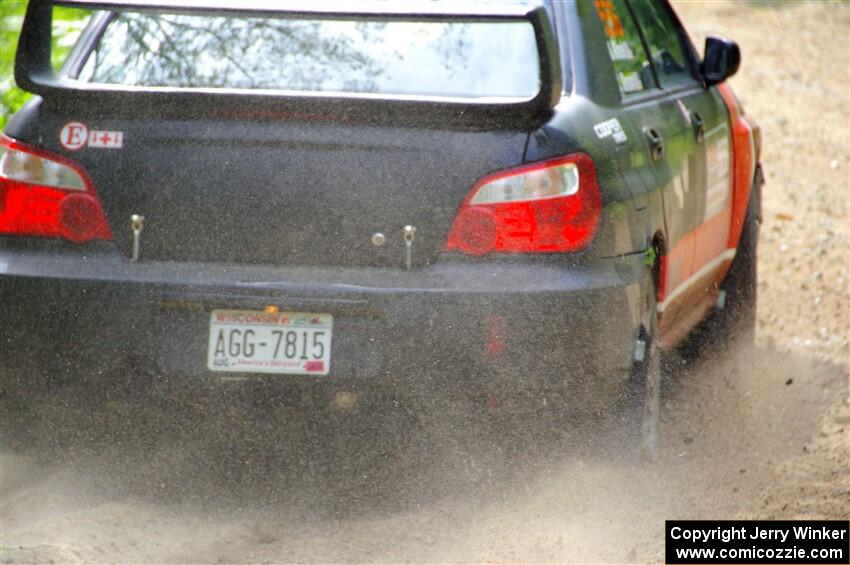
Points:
(721, 61)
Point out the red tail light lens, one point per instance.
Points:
(47, 195)
(548, 207)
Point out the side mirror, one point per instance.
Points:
(721, 60)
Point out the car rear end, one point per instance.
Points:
(319, 199)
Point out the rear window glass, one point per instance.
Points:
(430, 58)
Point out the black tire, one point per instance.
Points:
(737, 320)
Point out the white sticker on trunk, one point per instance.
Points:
(106, 139)
(76, 135)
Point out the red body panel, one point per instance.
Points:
(685, 267)
(743, 162)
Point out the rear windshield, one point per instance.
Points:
(428, 58)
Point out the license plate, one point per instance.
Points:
(292, 343)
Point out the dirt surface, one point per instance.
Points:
(750, 433)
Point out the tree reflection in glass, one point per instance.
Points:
(395, 57)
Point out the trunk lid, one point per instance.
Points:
(235, 189)
(242, 150)
(291, 193)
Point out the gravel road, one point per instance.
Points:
(748, 433)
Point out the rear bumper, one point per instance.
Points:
(524, 325)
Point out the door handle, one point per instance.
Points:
(656, 143)
(699, 128)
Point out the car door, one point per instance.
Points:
(658, 156)
(697, 207)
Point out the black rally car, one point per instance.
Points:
(525, 198)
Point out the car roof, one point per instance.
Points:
(473, 8)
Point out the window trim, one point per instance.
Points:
(658, 94)
(562, 34)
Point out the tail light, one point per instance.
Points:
(47, 195)
(548, 207)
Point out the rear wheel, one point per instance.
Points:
(737, 319)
